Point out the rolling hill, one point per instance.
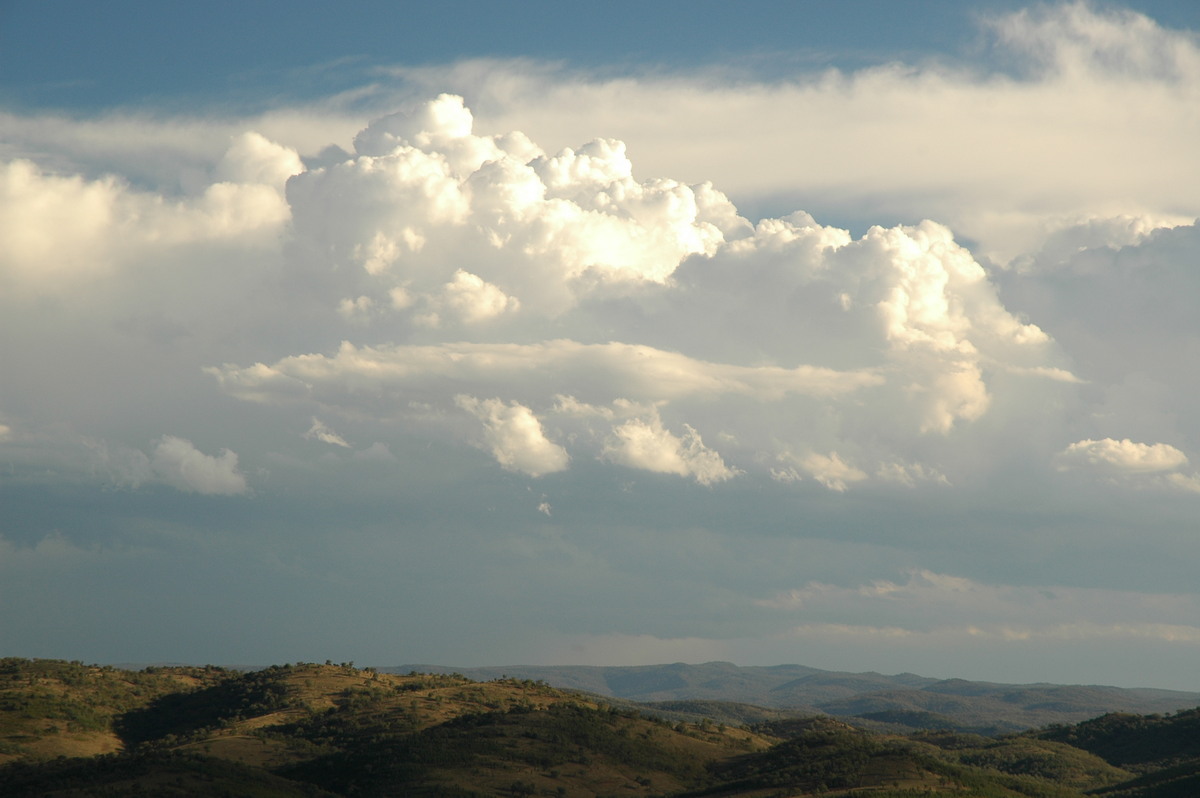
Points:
(69, 730)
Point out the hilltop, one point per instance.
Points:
(327, 730)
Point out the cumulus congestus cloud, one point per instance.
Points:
(482, 277)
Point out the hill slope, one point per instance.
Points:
(326, 731)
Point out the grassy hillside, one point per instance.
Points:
(67, 729)
(55, 708)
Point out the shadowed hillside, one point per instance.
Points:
(1165, 750)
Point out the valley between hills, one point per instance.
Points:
(69, 729)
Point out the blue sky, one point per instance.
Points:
(84, 56)
(130, 52)
(856, 335)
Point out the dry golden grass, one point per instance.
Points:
(75, 744)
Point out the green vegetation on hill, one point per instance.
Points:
(68, 730)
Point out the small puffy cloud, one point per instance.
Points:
(174, 461)
(320, 432)
(829, 470)
(357, 308)
(646, 444)
(1185, 482)
(473, 299)
(178, 463)
(516, 437)
(1152, 465)
(569, 406)
(910, 474)
(1123, 456)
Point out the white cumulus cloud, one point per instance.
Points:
(516, 437)
(829, 470)
(536, 229)
(178, 463)
(644, 443)
(1123, 456)
(474, 300)
(512, 273)
(995, 155)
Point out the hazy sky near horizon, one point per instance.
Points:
(854, 335)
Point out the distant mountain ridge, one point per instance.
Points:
(904, 699)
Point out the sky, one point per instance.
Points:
(853, 335)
